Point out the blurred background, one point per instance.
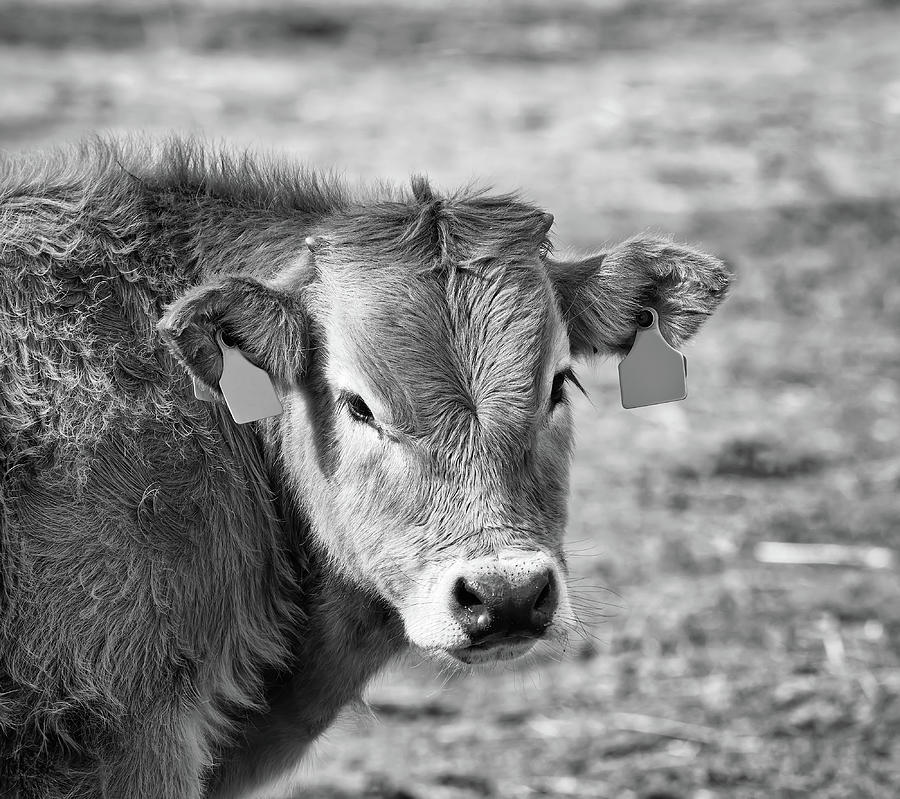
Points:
(767, 132)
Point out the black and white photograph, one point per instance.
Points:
(429, 400)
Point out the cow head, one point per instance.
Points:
(425, 350)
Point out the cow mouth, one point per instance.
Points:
(508, 648)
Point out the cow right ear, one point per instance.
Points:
(602, 295)
(268, 325)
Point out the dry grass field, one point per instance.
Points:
(768, 132)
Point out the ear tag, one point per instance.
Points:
(201, 392)
(653, 372)
(248, 390)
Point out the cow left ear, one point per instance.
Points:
(268, 325)
(602, 295)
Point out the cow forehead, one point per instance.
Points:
(447, 348)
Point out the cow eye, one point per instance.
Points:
(557, 394)
(358, 409)
(557, 390)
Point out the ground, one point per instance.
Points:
(769, 133)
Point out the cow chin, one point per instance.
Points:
(475, 656)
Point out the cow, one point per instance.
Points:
(187, 602)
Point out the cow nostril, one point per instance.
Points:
(465, 597)
(471, 610)
(545, 602)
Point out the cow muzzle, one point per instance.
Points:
(488, 609)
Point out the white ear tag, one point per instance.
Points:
(201, 392)
(653, 371)
(248, 390)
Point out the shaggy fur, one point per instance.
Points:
(183, 604)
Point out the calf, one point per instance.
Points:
(186, 603)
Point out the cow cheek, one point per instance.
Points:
(553, 456)
(375, 500)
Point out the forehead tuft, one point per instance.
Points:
(425, 230)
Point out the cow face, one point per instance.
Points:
(434, 432)
(427, 430)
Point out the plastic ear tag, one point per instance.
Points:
(248, 390)
(653, 372)
(201, 392)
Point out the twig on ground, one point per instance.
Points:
(866, 557)
(681, 730)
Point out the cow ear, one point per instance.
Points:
(601, 295)
(267, 325)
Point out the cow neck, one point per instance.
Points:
(345, 635)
